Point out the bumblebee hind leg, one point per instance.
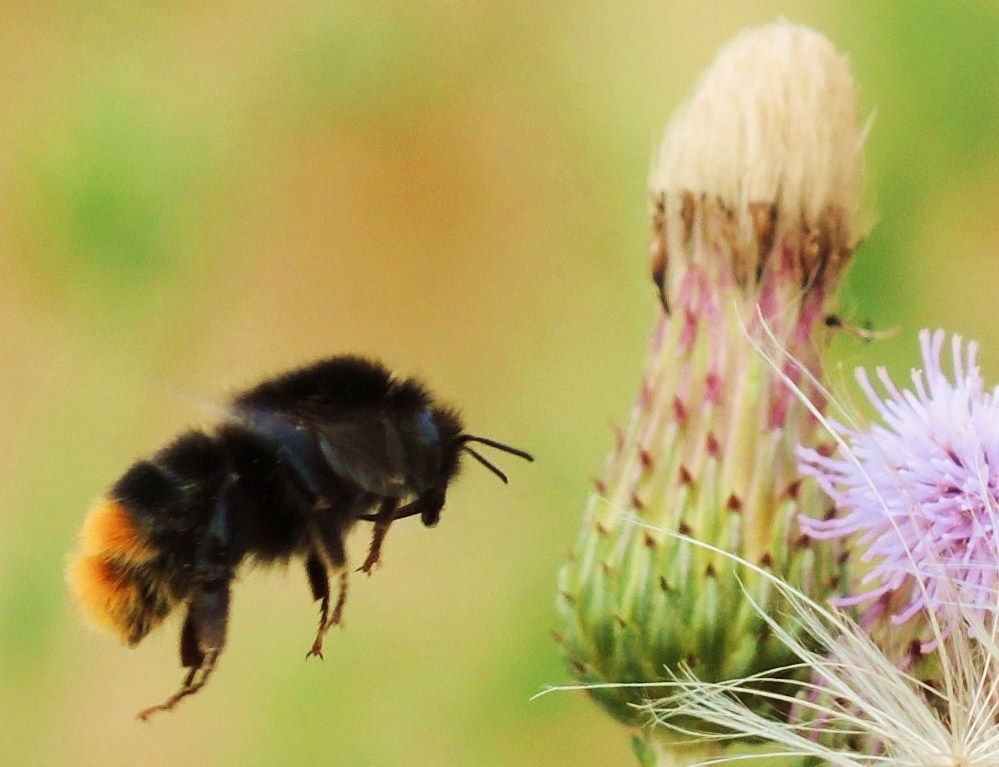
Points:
(196, 679)
(201, 640)
(205, 625)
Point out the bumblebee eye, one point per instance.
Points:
(427, 427)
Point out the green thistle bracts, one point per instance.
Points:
(755, 196)
(701, 459)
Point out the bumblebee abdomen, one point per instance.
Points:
(136, 546)
(173, 492)
(112, 575)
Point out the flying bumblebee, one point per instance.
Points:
(299, 460)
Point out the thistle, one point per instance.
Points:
(917, 496)
(754, 222)
(857, 694)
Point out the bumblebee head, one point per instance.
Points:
(112, 575)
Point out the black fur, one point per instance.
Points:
(301, 460)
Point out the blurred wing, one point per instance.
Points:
(366, 449)
(362, 448)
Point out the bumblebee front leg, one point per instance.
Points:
(428, 506)
(383, 520)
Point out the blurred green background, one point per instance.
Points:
(193, 195)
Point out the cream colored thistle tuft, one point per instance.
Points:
(750, 131)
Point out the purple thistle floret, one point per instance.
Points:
(920, 490)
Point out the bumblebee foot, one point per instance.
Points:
(317, 643)
(375, 550)
(316, 651)
(328, 620)
(194, 681)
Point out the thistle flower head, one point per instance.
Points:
(859, 706)
(920, 489)
(753, 224)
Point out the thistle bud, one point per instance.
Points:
(754, 196)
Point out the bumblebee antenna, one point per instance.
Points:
(486, 463)
(498, 445)
(466, 438)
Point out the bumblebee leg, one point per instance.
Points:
(383, 520)
(201, 640)
(191, 655)
(428, 506)
(328, 620)
(194, 681)
(328, 540)
(341, 600)
(319, 582)
(204, 632)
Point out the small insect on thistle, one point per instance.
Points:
(297, 463)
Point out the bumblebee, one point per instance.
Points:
(298, 461)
